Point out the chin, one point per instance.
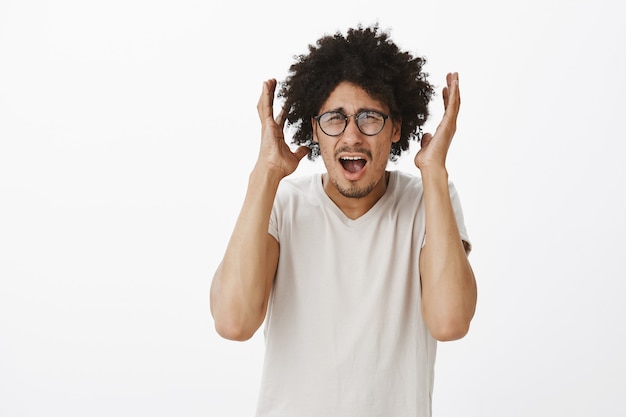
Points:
(355, 191)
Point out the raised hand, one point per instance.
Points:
(275, 154)
(434, 148)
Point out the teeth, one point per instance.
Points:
(351, 158)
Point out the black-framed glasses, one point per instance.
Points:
(369, 122)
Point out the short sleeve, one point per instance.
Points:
(458, 214)
(273, 227)
(460, 220)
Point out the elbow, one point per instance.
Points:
(236, 327)
(230, 322)
(449, 331)
(448, 324)
(236, 333)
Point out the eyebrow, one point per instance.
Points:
(362, 109)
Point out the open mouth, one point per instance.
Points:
(352, 164)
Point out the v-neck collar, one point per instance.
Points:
(372, 212)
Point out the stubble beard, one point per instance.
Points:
(354, 191)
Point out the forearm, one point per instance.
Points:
(240, 287)
(448, 284)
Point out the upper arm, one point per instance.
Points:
(272, 249)
(239, 307)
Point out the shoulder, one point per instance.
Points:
(296, 202)
(298, 191)
(406, 182)
(404, 179)
(302, 185)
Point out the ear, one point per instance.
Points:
(314, 129)
(397, 130)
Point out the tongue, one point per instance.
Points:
(353, 165)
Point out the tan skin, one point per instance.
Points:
(370, 183)
(448, 283)
(240, 290)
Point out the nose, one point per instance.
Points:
(352, 134)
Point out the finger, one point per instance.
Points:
(266, 101)
(454, 96)
(280, 120)
(451, 96)
(458, 90)
(449, 78)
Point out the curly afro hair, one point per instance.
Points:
(365, 57)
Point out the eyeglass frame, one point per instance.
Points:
(356, 118)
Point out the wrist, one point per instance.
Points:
(434, 173)
(263, 174)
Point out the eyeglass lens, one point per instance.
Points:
(369, 122)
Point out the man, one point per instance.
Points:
(357, 272)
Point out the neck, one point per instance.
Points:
(354, 207)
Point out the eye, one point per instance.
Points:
(333, 117)
(370, 116)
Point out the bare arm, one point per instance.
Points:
(448, 283)
(241, 285)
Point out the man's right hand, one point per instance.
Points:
(274, 154)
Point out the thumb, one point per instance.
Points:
(426, 138)
(301, 152)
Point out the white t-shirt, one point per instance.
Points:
(344, 331)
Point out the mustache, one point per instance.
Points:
(348, 149)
